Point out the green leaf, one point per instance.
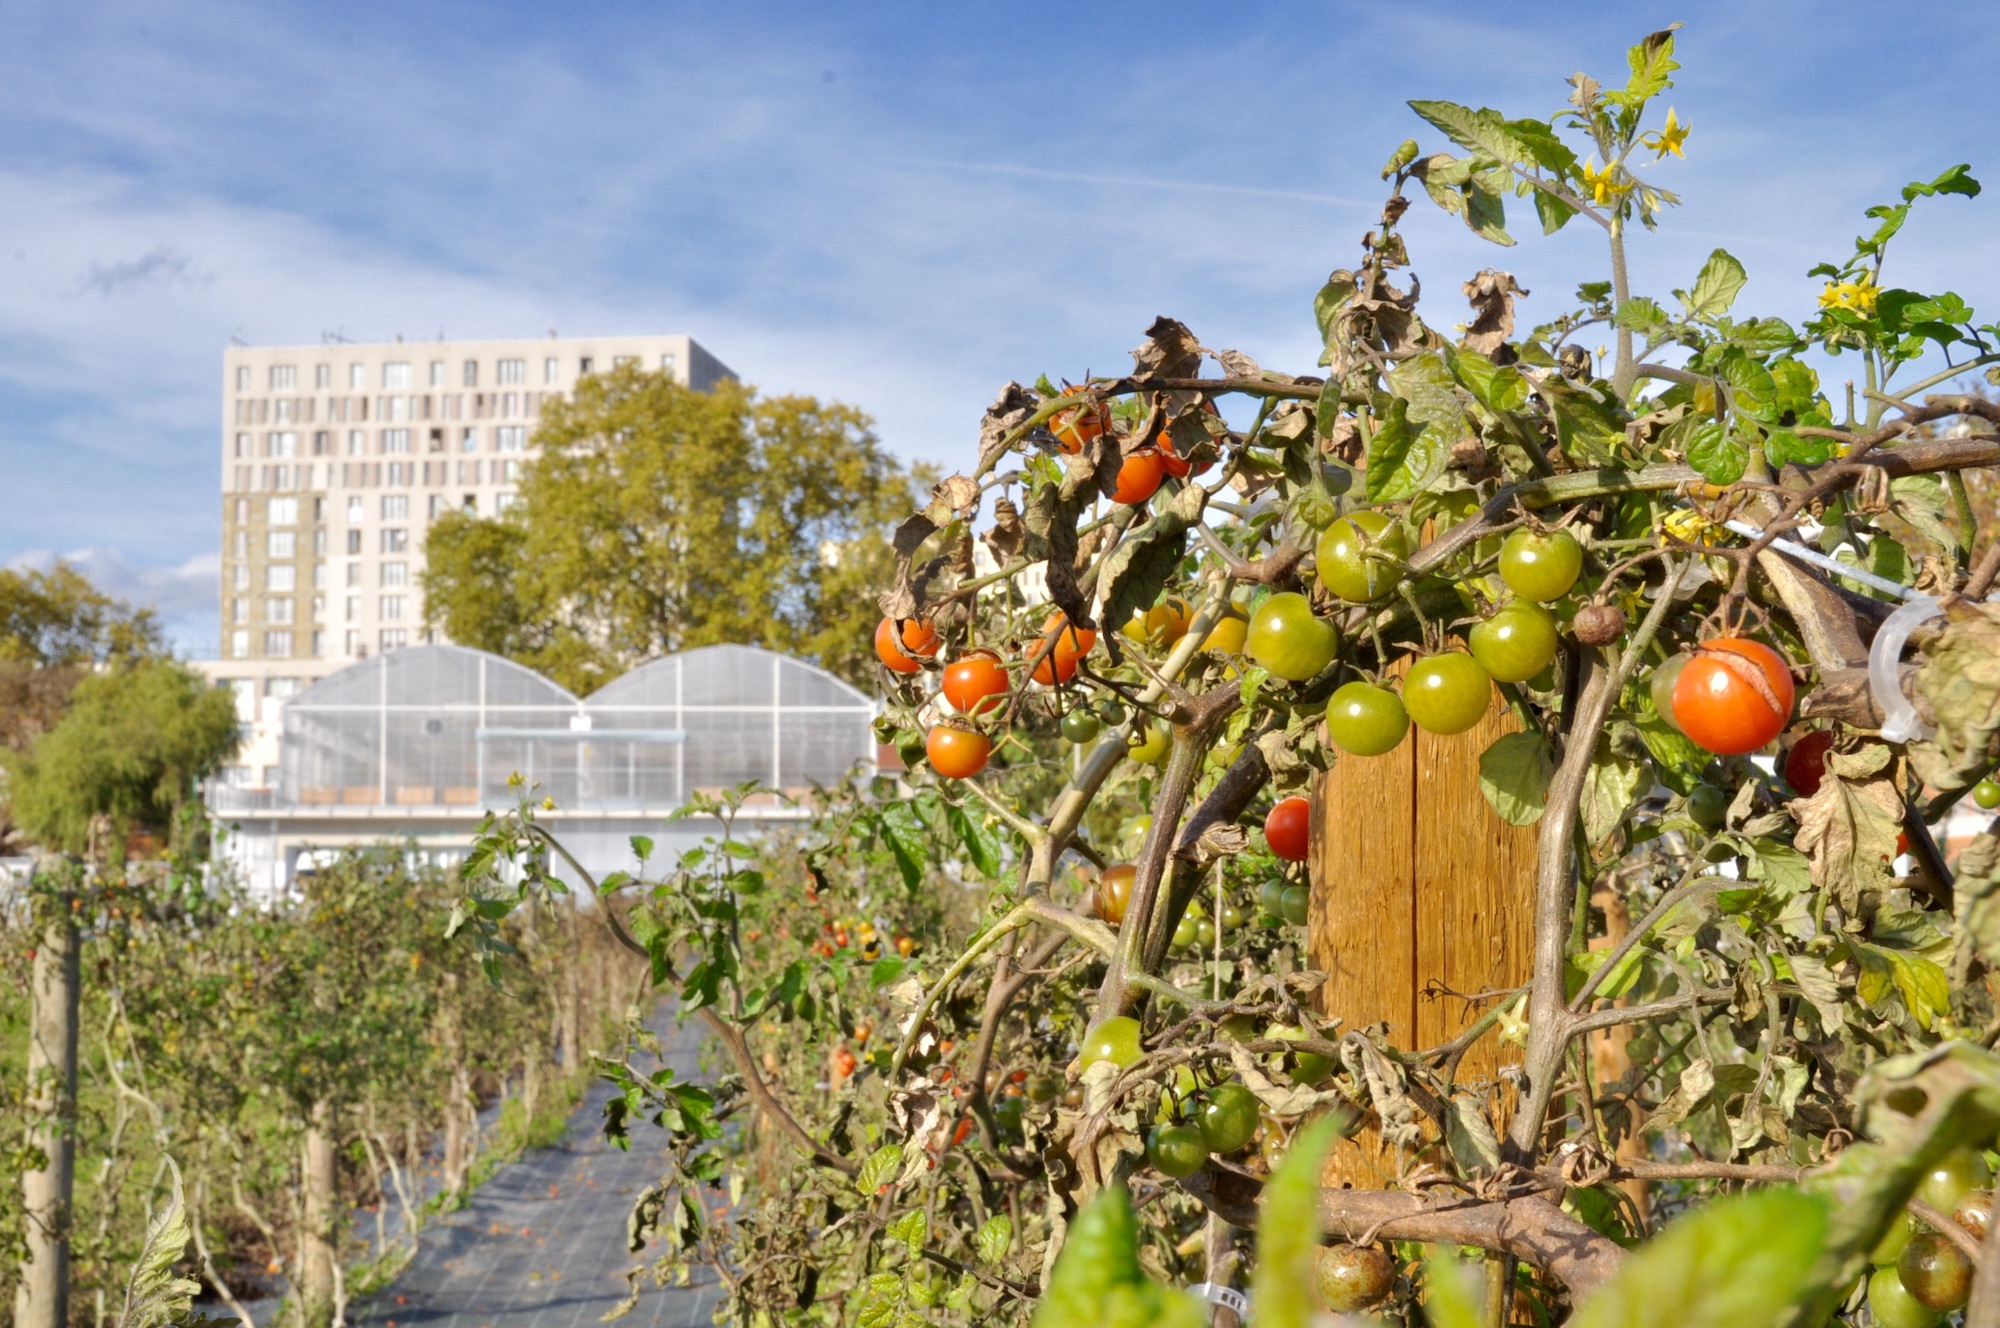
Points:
(880, 1167)
(1404, 460)
(1425, 384)
(1921, 982)
(995, 1235)
(1494, 386)
(1682, 763)
(905, 837)
(982, 846)
(1752, 389)
(1715, 452)
(1484, 131)
(1641, 314)
(1514, 775)
(1652, 64)
(1555, 213)
(1288, 1233)
(1957, 180)
(154, 1294)
(1097, 1282)
(1610, 787)
(1450, 1300)
(911, 1229)
(1716, 288)
(885, 971)
(1587, 429)
(642, 847)
(1135, 572)
(1734, 1263)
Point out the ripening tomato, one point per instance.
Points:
(1986, 795)
(1892, 1306)
(1150, 745)
(1159, 626)
(1661, 686)
(1079, 424)
(974, 682)
(1286, 826)
(1447, 693)
(1541, 567)
(1072, 644)
(1734, 696)
(1935, 1273)
(1114, 891)
(1288, 639)
(1805, 764)
(1228, 634)
(1139, 477)
(957, 753)
(1366, 720)
(1174, 464)
(1353, 1278)
(890, 652)
(1115, 1040)
(1358, 556)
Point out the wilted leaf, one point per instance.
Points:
(1960, 680)
(154, 1294)
(1171, 351)
(1610, 787)
(1492, 295)
(1848, 829)
(1009, 411)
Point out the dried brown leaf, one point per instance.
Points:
(1492, 295)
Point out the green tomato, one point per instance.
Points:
(1232, 917)
(1935, 1273)
(1185, 932)
(1955, 1175)
(1007, 1113)
(1541, 567)
(1149, 746)
(1708, 806)
(1308, 1067)
(1345, 565)
(1661, 687)
(1986, 794)
(1447, 693)
(1890, 1247)
(1516, 643)
(1228, 1117)
(1239, 1028)
(1080, 726)
(1115, 1040)
(1296, 905)
(1176, 1150)
(1204, 933)
(1895, 1307)
(1366, 720)
(1111, 713)
(1043, 1088)
(1287, 639)
(1271, 897)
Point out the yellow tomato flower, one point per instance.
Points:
(1670, 137)
(1691, 527)
(548, 804)
(1603, 183)
(1853, 296)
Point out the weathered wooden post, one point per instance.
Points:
(1417, 883)
(42, 1298)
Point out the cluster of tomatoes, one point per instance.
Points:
(1140, 473)
(1921, 1275)
(838, 934)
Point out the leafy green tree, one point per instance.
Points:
(134, 745)
(54, 625)
(657, 518)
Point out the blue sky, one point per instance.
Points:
(898, 205)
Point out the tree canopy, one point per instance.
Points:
(54, 624)
(657, 518)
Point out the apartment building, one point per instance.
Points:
(337, 457)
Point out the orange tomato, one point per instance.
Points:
(1114, 892)
(1072, 644)
(1079, 424)
(974, 681)
(898, 650)
(1734, 696)
(957, 753)
(1139, 477)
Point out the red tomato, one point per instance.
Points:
(973, 681)
(963, 1132)
(957, 753)
(1734, 696)
(1805, 764)
(1285, 828)
(1072, 644)
(1078, 425)
(1139, 477)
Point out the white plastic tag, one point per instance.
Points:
(1227, 1297)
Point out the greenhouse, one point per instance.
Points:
(418, 744)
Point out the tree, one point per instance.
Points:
(1647, 562)
(657, 518)
(53, 626)
(134, 746)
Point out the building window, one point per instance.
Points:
(353, 644)
(357, 442)
(240, 544)
(354, 574)
(583, 364)
(284, 377)
(281, 511)
(281, 543)
(278, 645)
(511, 371)
(470, 503)
(242, 445)
(666, 364)
(394, 638)
(470, 377)
(283, 444)
(239, 641)
(551, 368)
(469, 440)
(391, 608)
(438, 505)
(354, 541)
(353, 607)
(322, 376)
(503, 503)
(395, 540)
(319, 542)
(395, 442)
(395, 507)
(510, 405)
(620, 361)
(436, 442)
(357, 377)
(240, 576)
(242, 378)
(281, 411)
(319, 645)
(396, 374)
(281, 576)
(511, 437)
(510, 472)
(356, 509)
(322, 442)
(437, 373)
(319, 576)
(395, 574)
(240, 508)
(278, 610)
(239, 607)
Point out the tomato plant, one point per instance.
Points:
(1286, 826)
(957, 753)
(974, 682)
(1733, 696)
(1540, 565)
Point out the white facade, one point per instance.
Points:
(335, 460)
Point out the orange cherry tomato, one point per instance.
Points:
(1734, 696)
(1139, 477)
(963, 1132)
(1285, 828)
(1114, 892)
(1072, 644)
(1079, 424)
(957, 753)
(974, 682)
(890, 653)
